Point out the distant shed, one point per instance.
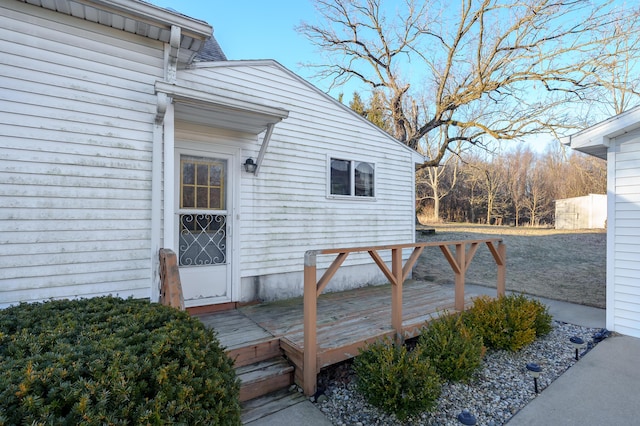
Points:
(587, 212)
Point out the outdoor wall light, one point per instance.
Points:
(534, 370)
(250, 166)
(577, 343)
(466, 418)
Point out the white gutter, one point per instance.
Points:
(147, 11)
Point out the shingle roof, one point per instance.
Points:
(210, 52)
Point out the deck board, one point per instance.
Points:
(346, 321)
(344, 317)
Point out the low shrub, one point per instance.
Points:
(454, 349)
(112, 361)
(508, 322)
(396, 380)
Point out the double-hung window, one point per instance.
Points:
(351, 178)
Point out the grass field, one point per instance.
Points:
(557, 264)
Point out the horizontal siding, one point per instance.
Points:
(285, 210)
(76, 116)
(626, 228)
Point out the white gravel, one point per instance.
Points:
(495, 394)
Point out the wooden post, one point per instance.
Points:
(170, 285)
(309, 363)
(396, 293)
(459, 274)
(502, 269)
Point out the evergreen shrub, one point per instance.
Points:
(453, 349)
(112, 361)
(396, 380)
(508, 322)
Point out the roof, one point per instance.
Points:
(415, 156)
(210, 52)
(595, 140)
(136, 17)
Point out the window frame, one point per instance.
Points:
(353, 162)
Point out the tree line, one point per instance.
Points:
(518, 187)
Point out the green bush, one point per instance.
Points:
(454, 349)
(508, 322)
(396, 380)
(112, 361)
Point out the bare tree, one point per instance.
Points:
(538, 200)
(517, 166)
(490, 69)
(430, 181)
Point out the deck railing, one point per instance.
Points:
(313, 288)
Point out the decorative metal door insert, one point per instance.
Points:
(202, 233)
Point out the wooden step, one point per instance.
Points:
(254, 352)
(245, 342)
(271, 403)
(263, 377)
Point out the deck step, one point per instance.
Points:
(271, 403)
(254, 352)
(264, 377)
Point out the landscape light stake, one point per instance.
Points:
(466, 418)
(534, 370)
(577, 343)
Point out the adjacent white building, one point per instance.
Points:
(618, 141)
(124, 129)
(586, 212)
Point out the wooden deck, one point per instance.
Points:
(319, 330)
(346, 321)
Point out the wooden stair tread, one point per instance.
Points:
(264, 377)
(262, 370)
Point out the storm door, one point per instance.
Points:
(203, 229)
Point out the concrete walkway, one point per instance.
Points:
(602, 389)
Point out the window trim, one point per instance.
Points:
(353, 162)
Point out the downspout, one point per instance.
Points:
(156, 195)
(157, 155)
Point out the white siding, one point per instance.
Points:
(623, 257)
(285, 209)
(77, 105)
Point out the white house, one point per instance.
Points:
(586, 212)
(124, 130)
(618, 141)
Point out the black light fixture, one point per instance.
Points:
(534, 370)
(466, 418)
(250, 166)
(577, 343)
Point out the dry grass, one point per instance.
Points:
(557, 264)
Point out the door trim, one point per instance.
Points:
(207, 149)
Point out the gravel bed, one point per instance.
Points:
(495, 394)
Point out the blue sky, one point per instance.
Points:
(258, 29)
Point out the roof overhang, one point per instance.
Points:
(595, 140)
(200, 107)
(136, 17)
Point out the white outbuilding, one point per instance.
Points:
(586, 212)
(618, 141)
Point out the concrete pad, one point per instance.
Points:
(601, 389)
(302, 413)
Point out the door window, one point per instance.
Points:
(203, 231)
